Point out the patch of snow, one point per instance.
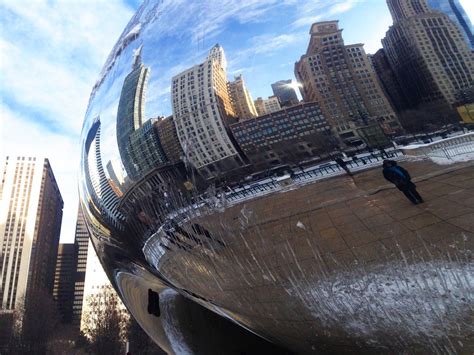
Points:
(455, 159)
(300, 225)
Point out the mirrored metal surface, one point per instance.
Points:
(236, 160)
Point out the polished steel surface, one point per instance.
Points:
(309, 259)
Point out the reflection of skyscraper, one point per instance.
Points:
(265, 140)
(202, 109)
(272, 104)
(104, 198)
(456, 13)
(30, 223)
(130, 111)
(166, 131)
(144, 149)
(265, 106)
(388, 80)
(342, 79)
(285, 93)
(428, 55)
(115, 172)
(259, 106)
(241, 99)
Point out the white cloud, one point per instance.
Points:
(55, 91)
(52, 53)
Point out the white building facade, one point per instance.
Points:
(202, 109)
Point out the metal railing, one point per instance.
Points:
(311, 174)
(446, 148)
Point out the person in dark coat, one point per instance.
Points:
(402, 180)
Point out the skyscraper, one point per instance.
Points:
(285, 93)
(428, 55)
(456, 13)
(342, 79)
(31, 209)
(82, 241)
(202, 110)
(241, 99)
(64, 280)
(130, 112)
(96, 281)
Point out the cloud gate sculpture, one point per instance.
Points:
(223, 220)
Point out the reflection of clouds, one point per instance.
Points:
(209, 19)
(269, 43)
(241, 70)
(317, 10)
(157, 100)
(265, 45)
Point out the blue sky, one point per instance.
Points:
(52, 53)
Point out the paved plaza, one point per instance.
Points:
(344, 263)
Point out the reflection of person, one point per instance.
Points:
(343, 165)
(402, 180)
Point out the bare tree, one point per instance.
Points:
(33, 323)
(421, 121)
(105, 323)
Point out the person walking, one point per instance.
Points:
(402, 180)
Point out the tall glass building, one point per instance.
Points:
(130, 111)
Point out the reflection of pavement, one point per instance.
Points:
(345, 261)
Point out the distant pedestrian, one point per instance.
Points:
(343, 165)
(402, 180)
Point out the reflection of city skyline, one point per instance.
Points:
(340, 78)
(353, 103)
(206, 103)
